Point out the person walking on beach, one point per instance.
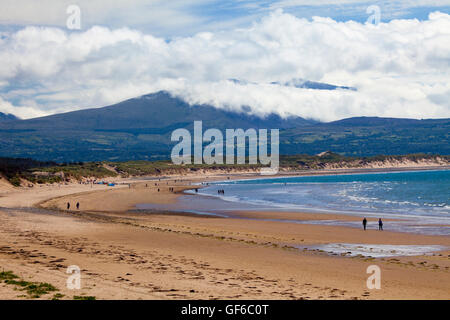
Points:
(380, 224)
(365, 223)
(68, 205)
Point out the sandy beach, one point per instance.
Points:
(129, 254)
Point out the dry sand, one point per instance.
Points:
(132, 255)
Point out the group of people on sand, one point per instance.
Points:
(380, 224)
(77, 205)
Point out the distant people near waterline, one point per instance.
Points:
(380, 224)
(365, 223)
(221, 191)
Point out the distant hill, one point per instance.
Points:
(300, 84)
(140, 128)
(306, 84)
(7, 117)
(370, 136)
(393, 122)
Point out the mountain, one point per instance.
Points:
(306, 84)
(300, 83)
(155, 114)
(7, 117)
(370, 136)
(140, 129)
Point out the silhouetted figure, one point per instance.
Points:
(68, 205)
(365, 223)
(78, 206)
(380, 224)
(196, 190)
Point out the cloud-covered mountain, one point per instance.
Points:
(306, 84)
(154, 113)
(140, 128)
(298, 83)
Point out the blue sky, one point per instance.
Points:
(337, 10)
(186, 17)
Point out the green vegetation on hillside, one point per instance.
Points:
(80, 170)
(49, 172)
(143, 168)
(329, 158)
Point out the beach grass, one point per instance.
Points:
(34, 289)
(84, 298)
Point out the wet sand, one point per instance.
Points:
(160, 254)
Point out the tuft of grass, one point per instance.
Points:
(33, 289)
(57, 296)
(84, 298)
(7, 275)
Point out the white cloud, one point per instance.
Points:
(21, 112)
(401, 68)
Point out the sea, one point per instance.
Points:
(420, 197)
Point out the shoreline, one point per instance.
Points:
(171, 204)
(345, 171)
(124, 253)
(409, 223)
